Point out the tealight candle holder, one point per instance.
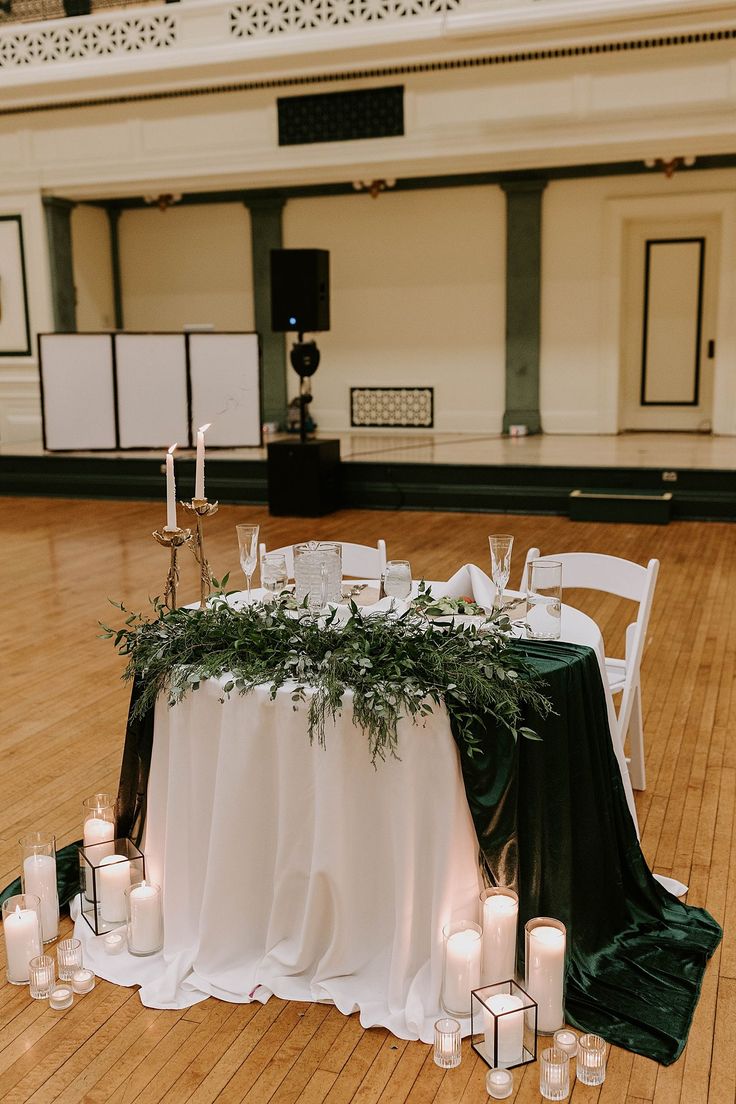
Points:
(38, 876)
(447, 1053)
(591, 1067)
(554, 1074)
(114, 943)
(22, 930)
(108, 869)
(68, 958)
(546, 945)
(566, 1040)
(144, 919)
(503, 1025)
(61, 997)
(42, 976)
(499, 1084)
(461, 972)
(83, 981)
(499, 911)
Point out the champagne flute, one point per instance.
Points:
(501, 545)
(248, 546)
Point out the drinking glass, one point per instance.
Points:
(397, 579)
(248, 545)
(501, 545)
(544, 600)
(274, 573)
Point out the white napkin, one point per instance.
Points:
(468, 581)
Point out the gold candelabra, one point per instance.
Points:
(172, 539)
(201, 509)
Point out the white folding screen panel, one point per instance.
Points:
(226, 387)
(152, 390)
(78, 390)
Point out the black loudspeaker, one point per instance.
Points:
(300, 290)
(303, 478)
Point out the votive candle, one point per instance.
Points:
(61, 996)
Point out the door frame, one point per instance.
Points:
(658, 208)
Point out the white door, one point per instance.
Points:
(668, 324)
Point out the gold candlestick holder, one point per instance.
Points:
(201, 509)
(172, 539)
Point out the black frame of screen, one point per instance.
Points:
(393, 425)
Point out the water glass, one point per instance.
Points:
(591, 1068)
(554, 1074)
(274, 574)
(447, 1043)
(68, 958)
(248, 547)
(318, 573)
(397, 579)
(42, 976)
(501, 545)
(544, 600)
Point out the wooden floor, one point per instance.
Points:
(62, 715)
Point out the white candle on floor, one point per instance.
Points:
(510, 1029)
(546, 975)
(500, 915)
(22, 943)
(113, 879)
(97, 830)
(462, 970)
(170, 490)
(39, 878)
(145, 931)
(199, 470)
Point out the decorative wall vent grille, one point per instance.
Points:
(398, 407)
(341, 116)
(260, 18)
(85, 39)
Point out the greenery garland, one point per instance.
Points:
(397, 664)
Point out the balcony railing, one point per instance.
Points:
(36, 11)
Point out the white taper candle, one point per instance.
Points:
(199, 471)
(170, 490)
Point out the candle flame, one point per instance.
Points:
(17, 910)
(171, 450)
(204, 428)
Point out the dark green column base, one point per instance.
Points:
(529, 418)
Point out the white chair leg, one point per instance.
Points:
(637, 771)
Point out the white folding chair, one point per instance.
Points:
(361, 561)
(613, 575)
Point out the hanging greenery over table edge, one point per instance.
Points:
(397, 664)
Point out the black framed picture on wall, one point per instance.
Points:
(15, 328)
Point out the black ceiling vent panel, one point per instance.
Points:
(341, 116)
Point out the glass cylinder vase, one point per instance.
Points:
(144, 918)
(499, 915)
(98, 828)
(22, 931)
(545, 946)
(461, 971)
(38, 876)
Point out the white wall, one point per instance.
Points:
(91, 256)
(417, 298)
(186, 264)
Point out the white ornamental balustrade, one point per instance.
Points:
(256, 18)
(87, 38)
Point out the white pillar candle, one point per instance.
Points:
(22, 943)
(145, 930)
(113, 876)
(462, 970)
(510, 1029)
(500, 915)
(545, 972)
(39, 878)
(170, 490)
(199, 471)
(97, 830)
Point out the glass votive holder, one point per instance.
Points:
(545, 945)
(499, 1083)
(42, 976)
(461, 972)
(144, 918)
(38, 876)
(566, 1040)
(68, 958)
(83, 981)
(591, 1068)
(114, 943)
(554, 1074)
(22, 930)
(61, 996)
(499, 914)
(447, 1043)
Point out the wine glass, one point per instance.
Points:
(501, 545)
(248, 545)
(397, 579)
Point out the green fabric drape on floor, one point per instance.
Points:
(553, 822)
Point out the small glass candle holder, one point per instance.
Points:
(98, 828)
(566, 1040)
(554, 1074)
(591, 1068)
(461, 973)
(503, 1021)
(546, 946)
(38, 876)
(61, 996)
(83, 981)
(144, 917)
(114, 943)
(447, 1043)
(108, 869)
(499, 914)
(68, 958)
(499, 1083)
(42, 976)
(22, 930)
